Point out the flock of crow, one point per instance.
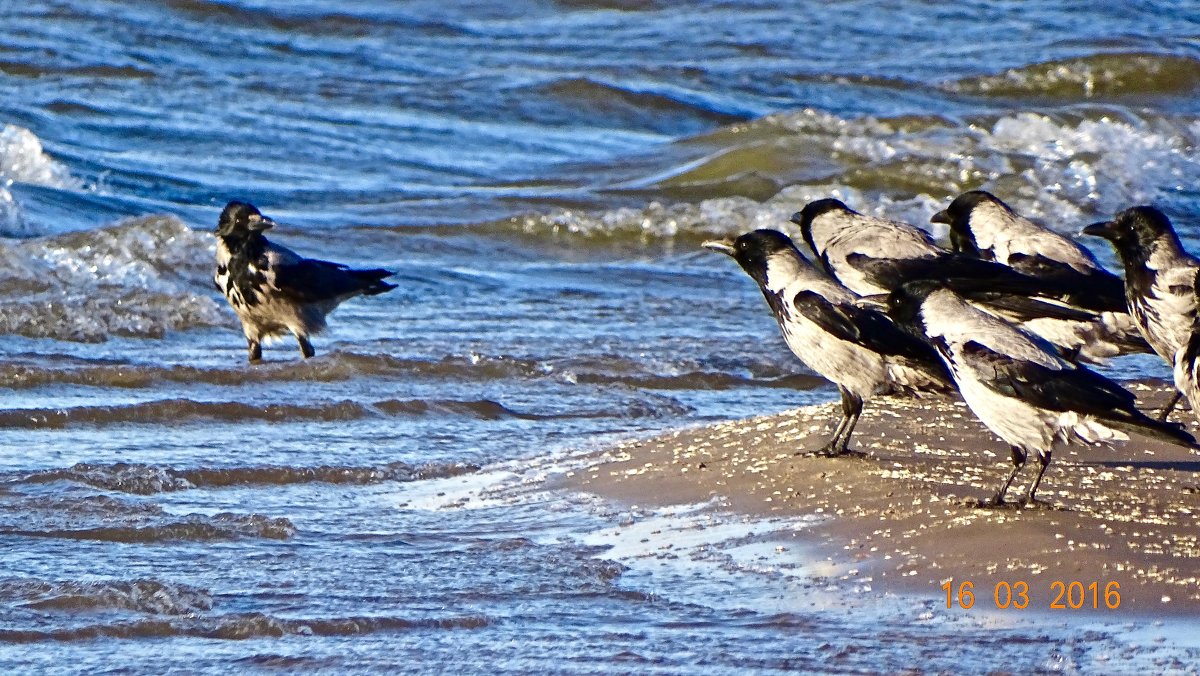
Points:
(1008, 316)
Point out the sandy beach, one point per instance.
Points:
(904, 515)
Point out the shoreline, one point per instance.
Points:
(903, 517)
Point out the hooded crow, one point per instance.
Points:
(857, 348)
(274, 290)
(1018, 385)
(869, 255)
(873, 256)
(1160, 288)
(982, 226)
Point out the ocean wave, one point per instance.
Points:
(76, 509)
(142, 596)
(694, 222)
(331, 367)
(618, 5)
(179, 411)
(141, 479)
(1097, 76)
(138, 278)
(338, 365)
(176, 411)
(1062, 167)
(483, 409)
(349, 21)
(703, 380)
(77, 514)
(34, 68)
(244, 626)
(23, 160)
(622, 105)
(192, 527)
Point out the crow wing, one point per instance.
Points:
(1023, 308)
(862, 326)
(890, 273)
(1063, 389)
(1037, 265)
(312, 281)
(988, 281)
(1078, 390)
(1100, 290)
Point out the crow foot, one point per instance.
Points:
(831, 452)
(996, 502)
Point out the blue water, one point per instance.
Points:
(540, 175)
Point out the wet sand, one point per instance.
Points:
(904, 515)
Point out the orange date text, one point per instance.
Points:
(1062, 595)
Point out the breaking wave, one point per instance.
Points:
(178, 411)
(1096, 76)
(331, 367)
(1064, 167)
(140, 479)
(142, 596)
(240, 627)
(142, 277)
(192, 527)
(338, 365)
(606, 104)
(23, 160)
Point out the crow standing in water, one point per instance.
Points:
(857, 348)
(1018, 385)
(273, 290)
(1160, 287)
(982, 226)
(873, 256)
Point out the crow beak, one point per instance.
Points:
(797, 218)
(720, 245)
(263, 223)
(876, 302)
(1103, 229)
(942, 216)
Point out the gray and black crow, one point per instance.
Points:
(857, 348)
(982, 226)
(874, 256)
(1018, 385)
(1160, 288)
(274, 290)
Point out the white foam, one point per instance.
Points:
(760, 557)
(1108, 163)
(23, 160)
(476, 490)
(1062, 169)
(12, 220)
(140, 277)
(506, 483)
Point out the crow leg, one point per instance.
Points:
(852, 406)
(253, 351)
(1043, 463)
(306, 347)
(828, 448)
(1018, 458)
(1162, 417)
